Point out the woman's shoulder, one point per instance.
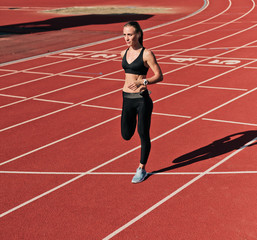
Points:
(147, 50)
(148, 53)
(122, 53)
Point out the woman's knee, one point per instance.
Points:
(126, 135)
(144, 133)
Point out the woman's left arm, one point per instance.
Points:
(151, 61)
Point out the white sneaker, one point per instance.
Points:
(139, 176)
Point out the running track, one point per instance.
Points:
(66, 172)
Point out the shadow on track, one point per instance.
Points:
(216, 148)
(60, 23)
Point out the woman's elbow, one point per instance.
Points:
(160, 77)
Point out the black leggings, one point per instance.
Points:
(141, 105)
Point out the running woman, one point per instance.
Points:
(137, 104)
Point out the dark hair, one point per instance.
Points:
(137, 28)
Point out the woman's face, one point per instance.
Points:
(130, 36)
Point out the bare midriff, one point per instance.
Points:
(130, 79)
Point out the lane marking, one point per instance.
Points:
(127, 173)
(71, 54)
(209, 65)
(103, 107)
(171, 115)
(224, 88)
(252, 67)
(233, 172)
(52, 101)
(95, 173)
(11, 96)
(43, 73)
(226, 121)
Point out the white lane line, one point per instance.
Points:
(224, 88)
(102, 107)
(170, 115)
(126, 173)
(52, 101)
(233, 122)
(94, 173)
(11, 96)
(233, 172)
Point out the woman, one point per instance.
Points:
(136, 61)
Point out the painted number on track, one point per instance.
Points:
(104, 55)
(225, 62)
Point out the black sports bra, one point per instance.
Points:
(137, 66)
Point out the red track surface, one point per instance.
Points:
(66, 172)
